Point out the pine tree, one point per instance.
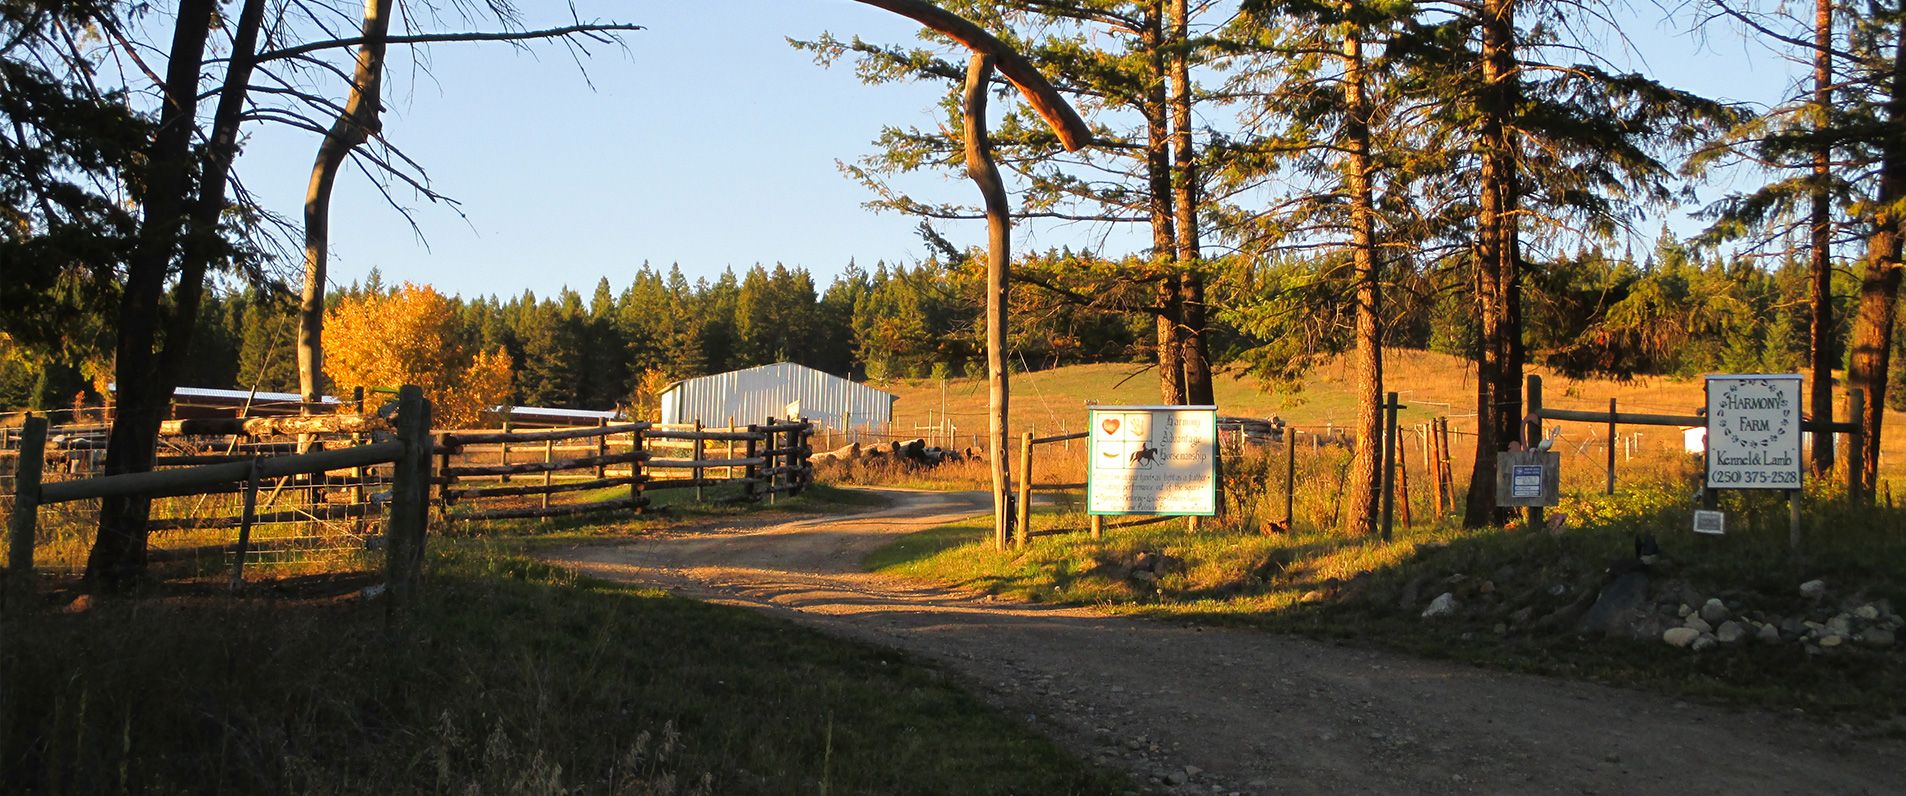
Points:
(1874, 130)
(1125, 64)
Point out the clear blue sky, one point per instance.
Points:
(710, 142)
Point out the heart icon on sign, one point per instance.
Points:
(1110, 425)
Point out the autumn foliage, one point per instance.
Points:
(409, 336)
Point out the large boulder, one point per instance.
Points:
(1622, 604)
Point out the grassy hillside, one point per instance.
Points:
(1429, 383)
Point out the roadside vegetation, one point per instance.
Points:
(507, 677)
(1519, 596)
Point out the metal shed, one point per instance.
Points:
(752, 395)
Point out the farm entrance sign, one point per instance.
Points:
(1753, 432)
(1160, 460)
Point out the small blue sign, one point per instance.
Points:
(1525, 481)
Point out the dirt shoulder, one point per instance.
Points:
(1216, 711)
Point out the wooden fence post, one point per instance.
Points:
(751, 472)
(1403, 480)
(803, 450)
(1290, 476)
(1855, 444)
(638, 472)
(443, 485)
(773, 459)
(244, 525)
(1023, 518)
(359, 492)
(1532, 434)
(602, 447)
(1611, 445)
(410, 496)
(700, 495)
(504, 446)
(1389, 462)
(549, 476)
(23, 526)
(1448, 467)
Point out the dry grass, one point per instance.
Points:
(1429, 383)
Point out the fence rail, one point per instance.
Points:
(471, 469)
(477, 465)
(407, 455)
(1855, 433)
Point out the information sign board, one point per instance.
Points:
(1527, 481)
(1160, 460)
(1753, 432)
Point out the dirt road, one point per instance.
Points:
(1215, 711)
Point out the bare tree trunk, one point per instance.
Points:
(1365, 487)
(1872, 340)
(1195, 354)
(353, 127)
(980, 167)
(1820, 265)
(173, 225)
(1158, 168)
(1498, 265)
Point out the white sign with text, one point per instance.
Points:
(1753, 432)
(1160, 460)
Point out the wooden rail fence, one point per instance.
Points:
(407, 454)
(477, 467)
(472, 471)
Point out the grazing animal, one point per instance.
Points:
(1146, 455)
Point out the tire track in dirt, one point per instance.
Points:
(1203, 710)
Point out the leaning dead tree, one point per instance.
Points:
(999, 234)
(989, 52)
(353, 127)
(356, 124)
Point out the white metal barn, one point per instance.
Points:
(784, 389)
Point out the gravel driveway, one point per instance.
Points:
(1202, 710)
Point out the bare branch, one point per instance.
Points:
(594, 31)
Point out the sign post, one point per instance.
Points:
(1753, 437)
(1157, 460)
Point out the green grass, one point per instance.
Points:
(507, 677)
(1368, 591)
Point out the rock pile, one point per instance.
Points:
(1639, 602)
(1827, 626)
